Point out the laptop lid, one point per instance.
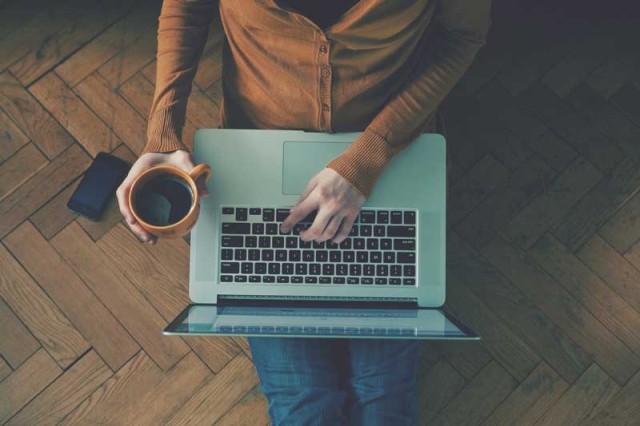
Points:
(320, 319)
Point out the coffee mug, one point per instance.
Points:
(164, 199)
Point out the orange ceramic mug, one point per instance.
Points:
(164, 199)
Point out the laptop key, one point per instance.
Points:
(277, 242)
(335, 256)
(261, 268)
(274, 268)
(267, 215)
(409, 270)
(272, 229)
(226, 278)
(346, 244)
(395, 281)
(294, 255)
(281, 214)
(389, 257)
(396, 216)
(366, 280)
(401, 231)
(367, 216)
(287, 268)
(409, 281)
(236, 228)
(235, 241)
(348, 256)
(369, 270)
(251, 241)
(282, 279)
(241, 214)
(383, 216)
(257, 228)
(321, 256)
(264, 242)
(409, 218)
(267, 255)
(381, 281)
(325, 280)
(396, 270)
(281, 255)
(311, 280)
(254, 279)
(227, 210)
(296, 280)
(378, 231)
(301, 269)
(240, 254)
(404, 244)
(382, 270)
(342, 269)
(385, 244)
(328, 269)
(353, 280)
(229, 267)
(240, 278)
(372, 243)
(366, 230)
(406, 257)
(292, 242)
(268, 279)
(247, 268)
(314, 269)
(338, 280)
(226, 254)
(255, 211)
(355, 269)
(358, 244)
(375, 257)
(254, 254)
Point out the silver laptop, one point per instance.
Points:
(386, 280)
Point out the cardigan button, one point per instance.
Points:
(325, 72)
(325, 107)
(323, 48)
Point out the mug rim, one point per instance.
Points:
(185, 177)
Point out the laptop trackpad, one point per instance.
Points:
(303, 159)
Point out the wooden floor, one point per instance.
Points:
(543, 248)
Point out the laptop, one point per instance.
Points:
(386, 280)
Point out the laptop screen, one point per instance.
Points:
(318, 321)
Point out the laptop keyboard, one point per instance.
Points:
(380, 249)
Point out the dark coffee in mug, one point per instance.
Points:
(163, 200)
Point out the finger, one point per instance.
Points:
(122, 194)
(310, 187)
(332, 228)
(315, 231)
(345, 229)
(301, 211)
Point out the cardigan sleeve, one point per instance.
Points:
(182, 33)
(461, 30)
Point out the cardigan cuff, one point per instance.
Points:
(365, 160)
(164, 131)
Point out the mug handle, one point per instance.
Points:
(200, 170)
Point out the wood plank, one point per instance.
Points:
(16, 14)
(583, 399)
(138, 91)
(38, 312)
(507, 302)
(112, 215)
(217, 396)
(117, 70)
(623, 409)
(119, 116)
(623, 229)
(251, 410)
(140, 20)
(54, 215)
(31, 118)
(589, 290)
(478, 399)
(531, 399)
(468, 358)
(505, 203)
(5, 369)
(537, 135)
(76, 117)
(34, 193)
(17, 343)
(436, 388)
(11, 138)
(572, 127)
(562, 308)
(161, 274)
(65, 393)
(26, 382)
(483, 178)
(157, 394)
(596, 208)
(119, 295)
(84, 22)
(627, 100)
(587, 55)
(613, 268)
(549, 206)
(514, 354)
(610, 121)
(19, 168)
(101, 329)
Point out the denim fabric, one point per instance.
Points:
(338, 381)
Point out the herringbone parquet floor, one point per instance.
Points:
(543, 247)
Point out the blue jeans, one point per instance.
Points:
(338, 381)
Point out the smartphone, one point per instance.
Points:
(100, 181)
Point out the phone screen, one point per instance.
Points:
(100, 181)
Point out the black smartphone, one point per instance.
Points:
(100, 181)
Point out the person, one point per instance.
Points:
(377, 67)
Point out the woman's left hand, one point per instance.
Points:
(337, 203)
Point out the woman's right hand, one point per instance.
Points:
(180, 158)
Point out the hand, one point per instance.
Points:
(337, 202)
(180, 158)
